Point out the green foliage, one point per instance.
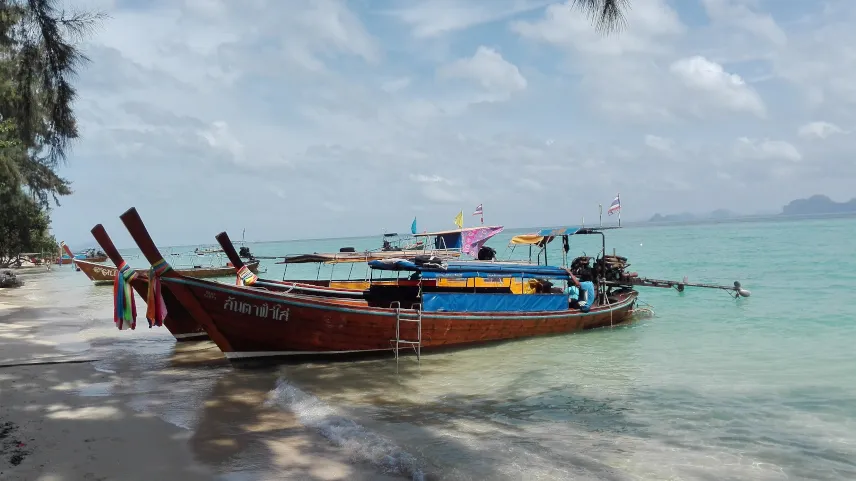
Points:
(38, 59)
(23, 224)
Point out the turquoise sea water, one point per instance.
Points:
(708, 388)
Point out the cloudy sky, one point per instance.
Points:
(316, 118)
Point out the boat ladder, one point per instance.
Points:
(414, 314)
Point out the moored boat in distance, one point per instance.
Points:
(257, 321)
(90, 255)
(105, 274)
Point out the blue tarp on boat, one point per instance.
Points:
(471, 269)
(483, 302)
(558, 231)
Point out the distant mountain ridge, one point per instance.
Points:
(718, 214)
(818, 204)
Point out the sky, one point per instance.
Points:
(326, 118)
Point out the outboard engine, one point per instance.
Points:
(581, 266)
(244, 252)
(487, 254)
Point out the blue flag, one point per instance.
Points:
(413, 226)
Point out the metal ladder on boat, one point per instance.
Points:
(403, 315)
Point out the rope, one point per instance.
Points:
(609, 305)
(124, 305)
(647, 309)
(156, 310)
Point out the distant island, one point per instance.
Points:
(718, 214)
(814, 205)
(818, 204)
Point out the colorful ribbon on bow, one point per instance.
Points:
(125, 308)
(156, 308)
(246, 276)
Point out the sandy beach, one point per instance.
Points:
(62, 418)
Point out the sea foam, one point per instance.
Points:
(359, 442)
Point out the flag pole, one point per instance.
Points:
(600, 213)
(619, 209)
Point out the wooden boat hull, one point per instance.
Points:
(178, 321)
(105, 274)
(68, 260)
(254, 324)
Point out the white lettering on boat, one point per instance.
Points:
(264, 311)
(104, 271)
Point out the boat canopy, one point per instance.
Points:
(545, 236)
(469, 270)
(456, 231)
(353, 257)
(558, 231)
(468, 240)
(529, 239)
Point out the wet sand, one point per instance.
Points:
(61, 419)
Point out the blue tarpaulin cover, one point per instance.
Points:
(558, 231)
(483, 302)
(471, 269)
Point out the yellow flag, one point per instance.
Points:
(459, 220)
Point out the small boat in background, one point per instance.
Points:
(106, 274)
(90, 255)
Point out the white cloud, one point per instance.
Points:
(487, 68)
(432, 18)
(650, 23)
(220, 137)
(396, 85)
(819, 130)
(767, 150)
(329, 102)
(659, 143)
(428, 179)
(737, 14)
(726, 89)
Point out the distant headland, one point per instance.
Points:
(814, 205)
(818, 204)
(718, 214)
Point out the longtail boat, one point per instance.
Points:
(252, 322)
(90, 255)
(180, 323)
(106, 274)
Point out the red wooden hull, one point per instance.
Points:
(178, 321)
(250, 323)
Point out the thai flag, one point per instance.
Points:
(479, 210)
(615, 206)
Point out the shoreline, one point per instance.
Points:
(61, 418)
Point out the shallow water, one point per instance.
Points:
(709, 388)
